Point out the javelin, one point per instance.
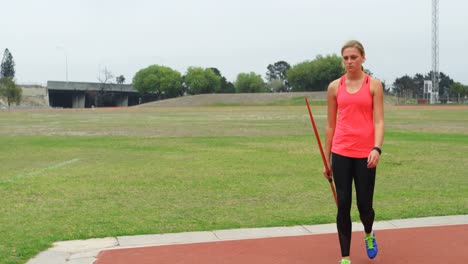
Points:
(330, 179)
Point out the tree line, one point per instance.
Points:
(313, 75)
(310, 75)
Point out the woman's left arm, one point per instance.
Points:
(377, 92)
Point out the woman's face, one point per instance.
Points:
(352, 59)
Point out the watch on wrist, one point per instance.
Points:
(378, 150)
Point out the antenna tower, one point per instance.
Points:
(435, 46)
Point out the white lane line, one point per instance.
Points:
(38, 172)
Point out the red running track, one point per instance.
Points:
(428, 245)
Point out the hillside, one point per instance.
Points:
(236, 99)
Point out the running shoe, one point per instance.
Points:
(371, 245)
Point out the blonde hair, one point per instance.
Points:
(354, 44)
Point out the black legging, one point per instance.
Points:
(344, 171)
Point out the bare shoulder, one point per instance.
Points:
(375, 82)
(333, 86)
(376, 85)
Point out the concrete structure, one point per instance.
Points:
(87, 95)
(33, 97)
(34, 90)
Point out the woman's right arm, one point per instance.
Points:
(331, 123)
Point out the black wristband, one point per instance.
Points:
(378, 150)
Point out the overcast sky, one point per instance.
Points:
(234, 36)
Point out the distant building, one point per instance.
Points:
(87, 95)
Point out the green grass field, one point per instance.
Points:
(77, 174)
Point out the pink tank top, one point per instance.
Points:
(354, 131)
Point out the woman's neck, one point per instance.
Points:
(355, 75)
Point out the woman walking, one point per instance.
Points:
(353, 142)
